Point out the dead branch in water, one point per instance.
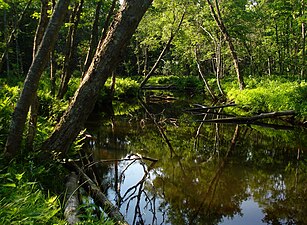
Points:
(111, 210)
(250, 119)
(203, 107)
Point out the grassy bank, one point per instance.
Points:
(269, 94)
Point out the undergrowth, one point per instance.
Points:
(32, 191)
(269, 95)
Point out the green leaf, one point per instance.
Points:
(9, 185)
(19, 176)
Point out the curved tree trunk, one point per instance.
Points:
(104, 62)
(31, 82)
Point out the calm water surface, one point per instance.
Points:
(204, 173)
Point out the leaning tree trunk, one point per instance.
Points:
(220, 23)
(31, 82)
(168, 44)
(43, 22)
(104, 62)
(200, 70)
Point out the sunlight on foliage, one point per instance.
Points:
(269, 95)
(24, 203)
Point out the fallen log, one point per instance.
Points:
(72, 202)
(274, 126)
(203, 107)
(212, 113)
(246, 120)
(111, 210)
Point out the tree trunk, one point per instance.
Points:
(202, 75)
(10, 37)
(219, 67)
(138, 60)
(218, 63)
(31, 82)
(94, 35)
(71, 49)
(53, 69)
(304, 51)
(72, 199)
(145, 52)
(173, 34)
(43, 22)
(104, 62)
(218, 19)
(94, 38)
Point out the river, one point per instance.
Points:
(160, 165)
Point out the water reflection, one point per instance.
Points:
(212, 174)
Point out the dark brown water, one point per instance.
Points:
(204, 174)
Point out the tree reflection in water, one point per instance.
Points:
(208, 176)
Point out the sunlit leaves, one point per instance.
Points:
(3, 5)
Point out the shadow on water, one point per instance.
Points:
(204, 174)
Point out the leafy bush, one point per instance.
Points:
(124, 88)
(9, 97)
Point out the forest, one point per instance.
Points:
(184, 68)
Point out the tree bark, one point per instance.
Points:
(72, 199)
(32, 79)
(53, 69)
(104, 62)
(218, 19)
(43, 22)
